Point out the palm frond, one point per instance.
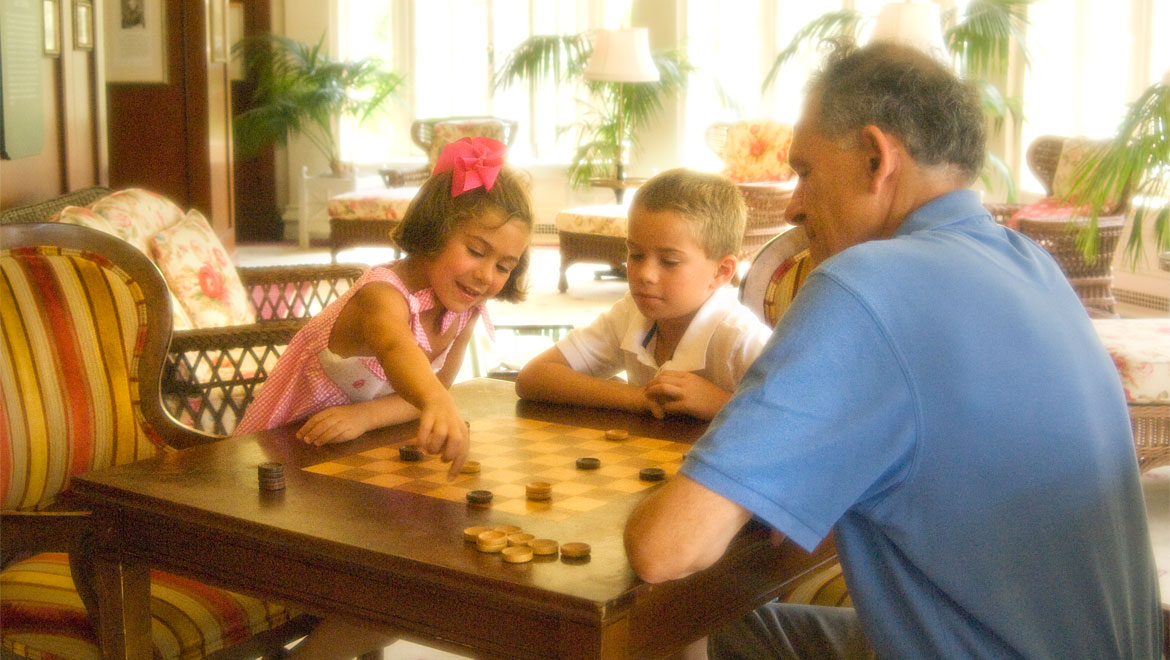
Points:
(831, 25)
(981, 41)
(541, 57)
(1137, 159)
(300, 90)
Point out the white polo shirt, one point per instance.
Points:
(723, 339)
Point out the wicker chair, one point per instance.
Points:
(1092, 279)
(85, 333)
(212, 373)
(422, 132)
(755, 155)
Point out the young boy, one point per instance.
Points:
(680, 334)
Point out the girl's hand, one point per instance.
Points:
(687, 393)
(336, 424)
(441, 430)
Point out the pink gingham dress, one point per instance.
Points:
(299, 386)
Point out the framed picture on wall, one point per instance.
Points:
(52, 11)
(83, 24)
(134, 39)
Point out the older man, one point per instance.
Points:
(936, 396)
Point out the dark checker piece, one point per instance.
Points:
(410, 453)
(651, 474)
(588, 463)
(479, 496)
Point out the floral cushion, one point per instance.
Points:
(1140, 349)
(199, 273)
(86, 217)
(602, 220)
(137, 215)
(380, 204)
(757, 151)
(446, 132)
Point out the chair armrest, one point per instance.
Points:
(397, 178)
(282, 292)
(212, 373)
(41, 531)
(1001, 213)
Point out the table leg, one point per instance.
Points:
(123, 594)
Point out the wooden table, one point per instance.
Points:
(396, 558)
(618, 186)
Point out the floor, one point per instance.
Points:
(586, 298)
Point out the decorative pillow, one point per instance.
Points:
(137, 215)
(79, 215)
(1073, 155)
(199, 273)
(757, 151)
(1048, 208)
(446, 132)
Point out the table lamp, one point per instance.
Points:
(621, 56)
(916, 24)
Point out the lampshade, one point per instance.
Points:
(621, 56)
(916, 24)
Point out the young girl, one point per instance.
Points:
(388, 349)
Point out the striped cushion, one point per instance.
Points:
(68, 383)
(44, 617)
(786, 281)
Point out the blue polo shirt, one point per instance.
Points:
(941, 400)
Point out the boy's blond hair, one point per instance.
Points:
(709, 202)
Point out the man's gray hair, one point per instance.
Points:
(906, 93)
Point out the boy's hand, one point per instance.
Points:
(650, 403)
(441, 429)
(334, 424)
(687, 393)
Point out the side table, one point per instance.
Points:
(315, 194)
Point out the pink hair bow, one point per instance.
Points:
(474, 162)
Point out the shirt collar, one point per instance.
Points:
(691, 352)
(955, 206)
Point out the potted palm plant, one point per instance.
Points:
(299, 89)
(616, 112)
(979, 42)
(1137, 159)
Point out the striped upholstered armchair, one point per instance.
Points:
(86, 319)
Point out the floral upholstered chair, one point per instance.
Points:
(230, 323)
(86, 320)
(755, 157)
(366, 217)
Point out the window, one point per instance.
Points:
(1090, 57)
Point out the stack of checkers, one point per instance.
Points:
(271, 476)
(410, 453)
(517, 547)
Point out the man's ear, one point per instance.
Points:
(880, 149)
(725, 268)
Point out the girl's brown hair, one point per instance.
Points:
(433, 216)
